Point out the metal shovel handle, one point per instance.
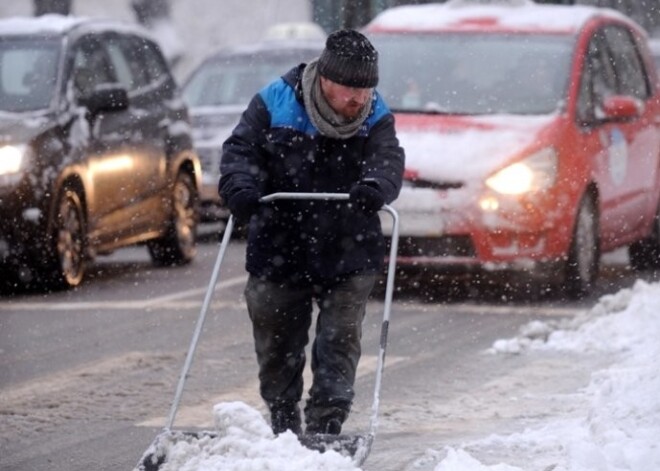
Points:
(303, 196)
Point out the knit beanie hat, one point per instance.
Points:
(349, 59)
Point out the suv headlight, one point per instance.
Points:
(13, 159)
(536, 172)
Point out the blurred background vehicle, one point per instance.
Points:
(95, 149)
(219, 90)
(531, 137)
(654, 44)
(189, 30)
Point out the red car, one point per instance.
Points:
(532, 137)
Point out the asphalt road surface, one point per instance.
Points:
(87, 376)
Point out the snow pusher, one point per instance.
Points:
(357, 446)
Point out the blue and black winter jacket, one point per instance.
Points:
(276, 148)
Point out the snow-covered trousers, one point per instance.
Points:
(281, 318)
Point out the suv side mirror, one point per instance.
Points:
(106, 97)
(622, 108)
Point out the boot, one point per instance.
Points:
(329, 426)
(285, 416)
(325, 420)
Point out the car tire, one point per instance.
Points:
(645, 254)
(583, 261)
(179, 244)
(68, 258)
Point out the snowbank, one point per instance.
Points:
(620, 429)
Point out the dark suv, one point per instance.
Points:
(95, 149)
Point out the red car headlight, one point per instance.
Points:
(535, 173)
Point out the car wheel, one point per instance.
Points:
(68, 258)
(179, 245)
(645, 254)
(583, 260)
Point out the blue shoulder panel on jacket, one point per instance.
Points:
(285, 110)
(379, 108)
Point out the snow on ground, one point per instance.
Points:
(244, 442)
(620, 429)
(617, 431)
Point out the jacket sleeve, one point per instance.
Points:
(241, 152)
(384, 159)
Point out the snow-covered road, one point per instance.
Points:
(87, 378)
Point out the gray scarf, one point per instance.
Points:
(329, 123)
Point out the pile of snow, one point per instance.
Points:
(245, 442)
(621, 429)
(618, 431)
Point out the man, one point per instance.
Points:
(320, 128)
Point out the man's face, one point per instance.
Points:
(345, 101)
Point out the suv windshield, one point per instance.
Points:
(235, 80)
(471, 73)
(28, 73)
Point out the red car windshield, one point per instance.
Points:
(473, 73)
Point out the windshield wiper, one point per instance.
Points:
(432, 112)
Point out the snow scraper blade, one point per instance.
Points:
(357, 447)
(157, 454)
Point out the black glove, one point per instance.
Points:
(244, 203)
(366, 199)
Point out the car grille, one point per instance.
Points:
(446, 246)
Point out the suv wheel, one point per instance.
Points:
(68, 262)
(178, 245)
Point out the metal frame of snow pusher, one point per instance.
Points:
(357, 446)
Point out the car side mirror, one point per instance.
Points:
(106, 97)
(622, 108)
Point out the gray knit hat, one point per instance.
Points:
(349, 59)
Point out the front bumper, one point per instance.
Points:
(449, 229)
(212, 208)
(21, 235)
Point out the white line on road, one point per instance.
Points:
(133, 304)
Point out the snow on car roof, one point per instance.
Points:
(53, 24)
(49, 24)
(481, 16)
(272, 45)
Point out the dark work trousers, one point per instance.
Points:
(281, 318)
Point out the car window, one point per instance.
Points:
(626, 61)
(234, 80)
(91, 65)
(28, 73)
(153, 61)
(654, 44)
(137, 62)
(129, 74)
(474, 73)
(229, 83)
(586, 102)
(597, 80)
